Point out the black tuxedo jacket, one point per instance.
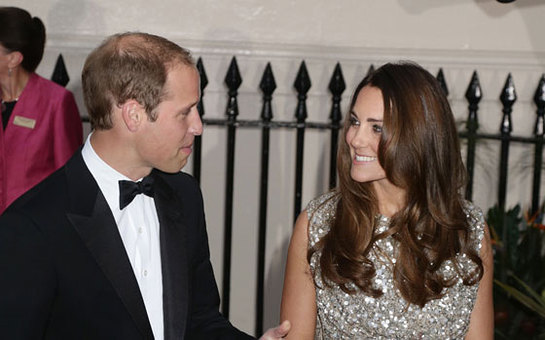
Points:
(64, 272)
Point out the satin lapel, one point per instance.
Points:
(173, 259)
(93, 220)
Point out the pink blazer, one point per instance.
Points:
(43, 132)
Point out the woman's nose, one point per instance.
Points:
(360, 138)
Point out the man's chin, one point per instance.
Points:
(173, 169)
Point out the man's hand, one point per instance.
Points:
(278, 332)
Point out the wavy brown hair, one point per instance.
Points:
(420, 152)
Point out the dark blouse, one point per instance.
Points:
(7, 109)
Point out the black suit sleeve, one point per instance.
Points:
(206, 322)
(27, 281)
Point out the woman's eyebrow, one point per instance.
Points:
(370, 119)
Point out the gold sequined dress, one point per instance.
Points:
(358, 316)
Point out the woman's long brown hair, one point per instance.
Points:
(420, 152)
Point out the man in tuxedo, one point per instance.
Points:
(114, 245)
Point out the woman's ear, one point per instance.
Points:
(132, 113)
(15, 59)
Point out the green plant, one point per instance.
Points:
(519, 272)
(530, 299)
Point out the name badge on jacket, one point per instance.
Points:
(24, 122)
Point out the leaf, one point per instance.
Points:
(532, 292)
(524, 299)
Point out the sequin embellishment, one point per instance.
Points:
(358, 316)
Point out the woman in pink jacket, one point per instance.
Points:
(41, 126)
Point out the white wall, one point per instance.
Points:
(460, 36)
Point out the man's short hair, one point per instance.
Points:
(129, 66)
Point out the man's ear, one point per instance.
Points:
(133, 114)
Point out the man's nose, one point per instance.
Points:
(196, 123)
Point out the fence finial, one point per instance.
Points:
(60, 75)
(302, 85)
(337, 84)
(473, 96)
(441, 79)
(539, 99)
(474, 92)
(508, 97)
(336, 87)
(267, 85)
(539, 95)
(233, 81)
(232, 78)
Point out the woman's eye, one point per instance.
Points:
(354, 121)
(377, 128)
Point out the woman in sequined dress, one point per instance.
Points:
(394, 252)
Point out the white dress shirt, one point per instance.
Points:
(138, 226)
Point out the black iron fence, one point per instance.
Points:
(300, 124)
(337, 86)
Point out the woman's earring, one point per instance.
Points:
(9, 72)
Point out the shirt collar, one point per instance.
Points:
(106, 177)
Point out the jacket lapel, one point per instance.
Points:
(93, 220)
(173, 258)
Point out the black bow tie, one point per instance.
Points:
(129, 189)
